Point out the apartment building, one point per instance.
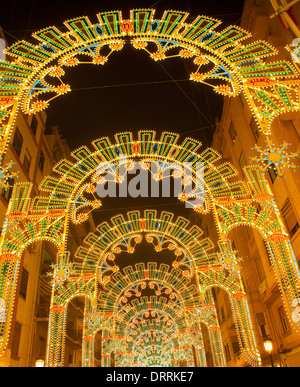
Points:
(235, 137)
(33, 150)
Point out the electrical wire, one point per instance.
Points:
(128, 84)
(189, 99)
(30, 16)
(195, 101)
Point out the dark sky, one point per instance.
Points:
(131, 91)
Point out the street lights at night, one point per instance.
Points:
(39, 363)
(268, 345)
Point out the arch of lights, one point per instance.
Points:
(34, 76)
(32, 79)
(69, 195)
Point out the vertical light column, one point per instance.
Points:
(279, 246)
(56, 336)
(287, 272)
(10, 257)
(88, 347)
(244, 328)
(88, 337)
(105, 361)
(216, 346)
(9, 272)
(190, 357)
(201, 357)
(200, 350)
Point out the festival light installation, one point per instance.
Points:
(6, 175)
(222, 61)
(160, 327)
(276, 158)
(117, 297)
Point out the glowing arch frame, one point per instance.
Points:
(141, 275)
(30, 219)
(270, 88)
(187, 317)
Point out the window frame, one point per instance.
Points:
(16, 142)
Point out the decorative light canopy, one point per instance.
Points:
(221, 60)
(276, 158)
(149, 314)
(163, 303)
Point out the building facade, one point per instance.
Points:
(33, 150)
(235, 138)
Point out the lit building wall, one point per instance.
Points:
(235, 136)
(35, 149)
(29, 150)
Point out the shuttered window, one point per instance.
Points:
(283, 319)
(289, 217)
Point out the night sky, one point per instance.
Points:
(131, 91)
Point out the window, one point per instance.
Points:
(289, 217)
(254, 128)
(41, 161)
(17, 142)
(222, 314)
(283, 319)
(272, 172)
(34, 124)
(42, 346)
(235, 345)
(7, 192)
(262, 324)
(233, 245)
(47, 261)
(27, 161)
(295, 129)
(242, 162)
(227, 352)
(232, 133)
(16, 339)
(24, 283)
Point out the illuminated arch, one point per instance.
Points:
(162, 231)
(172, 280)
(260, 212)
(221, 60)
(180, 341)
(150, 315)
(73, 189)
(67, 195)
(120, 283)
(178, 288)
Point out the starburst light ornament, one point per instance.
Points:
(6, 175)
(60, 273)
(276, 158)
